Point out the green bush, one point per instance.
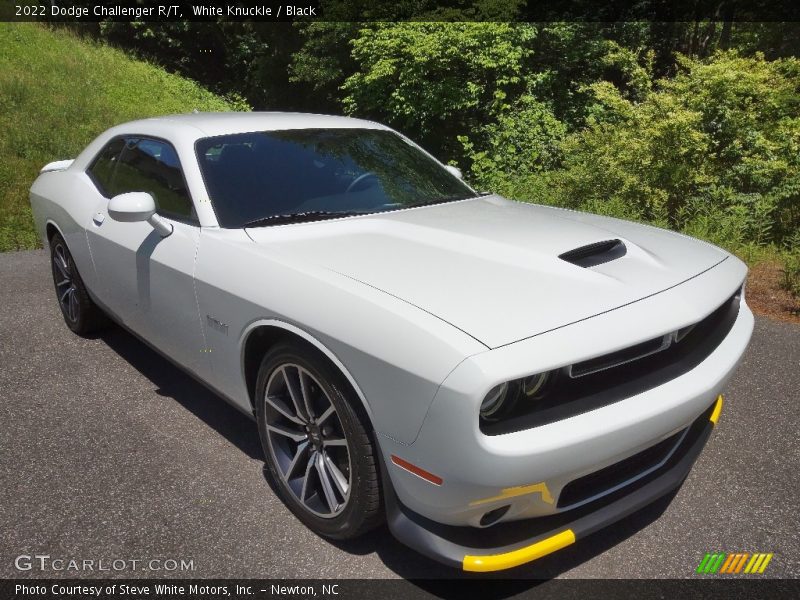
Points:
(791, 268)
(719, 141)
(791, 275)
(516, 149)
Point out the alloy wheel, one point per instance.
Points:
(307, 441)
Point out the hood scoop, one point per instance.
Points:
(595, 254)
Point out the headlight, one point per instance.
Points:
(495, 401)
(502, 398)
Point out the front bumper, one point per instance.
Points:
(512, 544)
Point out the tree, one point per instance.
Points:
(437, 80)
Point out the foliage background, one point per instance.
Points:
(693, 126)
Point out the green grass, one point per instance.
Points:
(57, 93)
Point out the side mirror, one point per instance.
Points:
(454, 171)
(133, 207)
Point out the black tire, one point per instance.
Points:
(362, 509)
(80, 313)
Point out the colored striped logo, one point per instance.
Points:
(737, 562)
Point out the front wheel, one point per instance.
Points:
(80, 313)
(318, 450)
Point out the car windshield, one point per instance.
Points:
(273, 177)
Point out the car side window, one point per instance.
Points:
(148, 165)
(102, 169)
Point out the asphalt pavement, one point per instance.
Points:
(108, 451)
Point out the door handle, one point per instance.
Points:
(98, 218)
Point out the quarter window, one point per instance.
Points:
(103, 167)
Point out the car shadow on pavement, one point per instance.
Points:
(172, 382)
(425, 573)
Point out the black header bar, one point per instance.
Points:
(82, 11)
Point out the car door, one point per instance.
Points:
(145, 279)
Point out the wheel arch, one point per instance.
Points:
(263, 334)
(50, 229)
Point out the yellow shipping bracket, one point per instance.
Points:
(717, 410)
(498, 562)
(521, 490)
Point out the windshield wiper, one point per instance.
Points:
(299, 217)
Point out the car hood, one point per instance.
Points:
(491, 267)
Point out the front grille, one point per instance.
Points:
(610, 378)
(626, 471)
(641, 350)
(615, 359)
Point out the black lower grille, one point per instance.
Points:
(610, 477)
(603, 482)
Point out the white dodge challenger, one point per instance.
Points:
(495, 379)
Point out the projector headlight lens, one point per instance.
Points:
(537, 386)
(494, 401)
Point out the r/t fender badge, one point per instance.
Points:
(216, 324)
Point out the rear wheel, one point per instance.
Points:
(318, 450)
(80, 313)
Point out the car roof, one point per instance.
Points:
(207, 124)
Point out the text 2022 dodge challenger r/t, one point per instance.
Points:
(495, 379)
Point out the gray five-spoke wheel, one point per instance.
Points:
(307, 441)
(65, 283)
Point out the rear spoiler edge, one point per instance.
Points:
(58, 165)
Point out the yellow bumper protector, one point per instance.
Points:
(717, 410)
(498, 562)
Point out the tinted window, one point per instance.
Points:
(152, 166)
(257, 175)
(103, 167)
